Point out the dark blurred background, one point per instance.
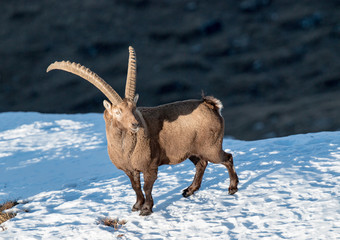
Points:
(275, 64)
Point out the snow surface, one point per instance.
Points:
(289, 187)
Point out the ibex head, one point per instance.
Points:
(122, 111)
(123, 114)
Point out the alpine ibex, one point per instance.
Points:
(140, 139)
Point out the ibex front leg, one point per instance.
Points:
(135, 182)
(149, 178)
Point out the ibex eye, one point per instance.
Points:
(117, 112)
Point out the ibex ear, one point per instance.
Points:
(107, 105)
(135, 99)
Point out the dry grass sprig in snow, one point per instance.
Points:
(110, 222)
(4, 216)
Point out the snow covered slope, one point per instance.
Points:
(289, 187)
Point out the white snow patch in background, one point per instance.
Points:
(289, 187)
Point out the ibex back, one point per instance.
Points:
(140, 139)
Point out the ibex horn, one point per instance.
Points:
(88, 75)
(130, 87)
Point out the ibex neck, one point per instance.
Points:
(142, 121)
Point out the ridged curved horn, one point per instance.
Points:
(88, 75)
(130, 87)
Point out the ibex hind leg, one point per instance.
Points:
(229, 163)
(200, 165)
(226, 159)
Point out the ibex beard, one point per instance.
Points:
(140, 139)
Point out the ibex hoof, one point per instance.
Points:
(136, 207)
(145, 211)
(232, 190)
(186, 193)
